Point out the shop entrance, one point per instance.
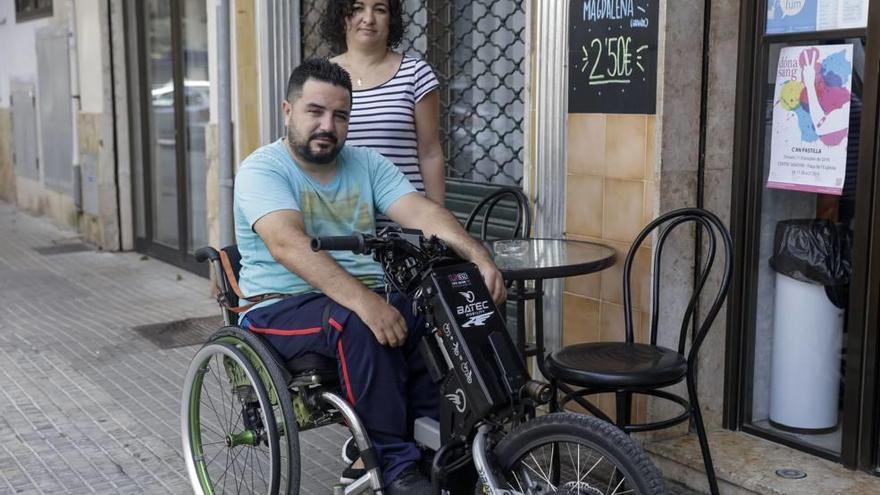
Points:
(169, 98)
(804, 186)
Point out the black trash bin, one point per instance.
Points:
(812, 261)
(816, 252)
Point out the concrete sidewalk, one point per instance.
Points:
(87, 404)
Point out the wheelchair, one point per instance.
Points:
(243, 406)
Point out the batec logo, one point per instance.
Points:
(468, 295)
(477, 321)
(472, 309)
(458, 399)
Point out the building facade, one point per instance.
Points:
(605, 113)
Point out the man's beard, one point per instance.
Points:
(304, 150)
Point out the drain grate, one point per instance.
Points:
(180, 333)
(71, 247)
(791, 474)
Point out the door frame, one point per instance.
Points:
(868, 456)
(859, 445)
(139, 120)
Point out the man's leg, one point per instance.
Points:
(293, 326)
(375, 381)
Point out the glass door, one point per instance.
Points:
(172, 91)
(804, 189)
(808, 165)
(162, 124)
(196, 98)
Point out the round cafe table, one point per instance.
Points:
(537, 260)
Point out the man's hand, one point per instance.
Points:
(386, 323)
(494, 280)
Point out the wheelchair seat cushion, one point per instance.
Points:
(615, 365)
(314, 363)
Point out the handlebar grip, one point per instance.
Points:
(206, 253)
(353, 243)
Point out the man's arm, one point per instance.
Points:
(415, 211)
(284, 234)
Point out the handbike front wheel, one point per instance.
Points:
(230, 443)
(571, 454)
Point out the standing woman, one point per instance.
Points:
(395, 107)
(395, 97)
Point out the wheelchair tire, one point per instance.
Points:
(268, 365)
(230, 438)
(577, 454)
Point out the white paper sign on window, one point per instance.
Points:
(811, 118)
(800, 16)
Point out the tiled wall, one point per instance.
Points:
(610, 196)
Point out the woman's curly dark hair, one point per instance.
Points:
(333, 24)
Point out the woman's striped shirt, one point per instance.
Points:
(383, 117)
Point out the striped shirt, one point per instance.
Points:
(383, 118)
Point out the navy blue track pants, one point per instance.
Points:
(389, 387)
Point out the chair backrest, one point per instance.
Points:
(227, 266)
(712, 226)
(231, 268)
(507, 199)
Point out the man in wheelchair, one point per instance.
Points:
(311, 184)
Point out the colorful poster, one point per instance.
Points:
(800, 16)
(811, 118)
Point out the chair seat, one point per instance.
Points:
(615, 365)
(313, 363)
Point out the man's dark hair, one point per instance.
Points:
(319, 69)
(333, 23)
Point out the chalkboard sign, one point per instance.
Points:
(613, 56)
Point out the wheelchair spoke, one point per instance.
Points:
(243, 476)
(221, 451)
(226, 420)
(235, 456)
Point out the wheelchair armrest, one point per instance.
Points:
(203, 254)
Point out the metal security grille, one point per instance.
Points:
(477, 49)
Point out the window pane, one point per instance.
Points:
(162, 129)
(805, 239)
(196, 107)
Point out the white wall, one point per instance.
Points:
(89, 55)
(18, 49)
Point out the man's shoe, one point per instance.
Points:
(410, 482)
(350, 474)
(350, 451)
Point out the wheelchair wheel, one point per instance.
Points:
(266, 362)
(230, 436)
(572, 454)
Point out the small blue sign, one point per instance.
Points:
(791, 16)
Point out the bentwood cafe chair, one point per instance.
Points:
(627, 368)
(504, 198)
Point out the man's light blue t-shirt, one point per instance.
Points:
(269, 180)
